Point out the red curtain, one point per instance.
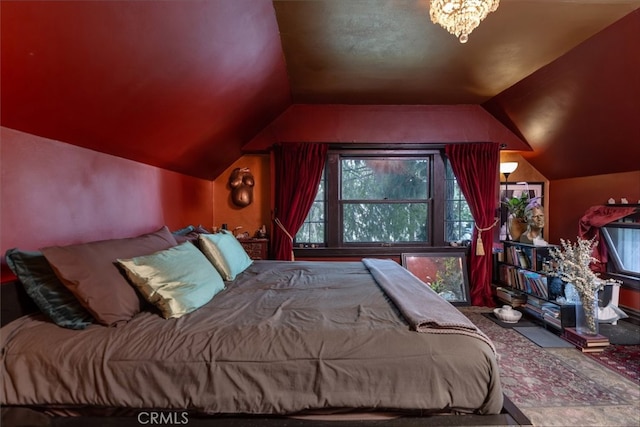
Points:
(476, 169)
(298, 170)
(590, 224)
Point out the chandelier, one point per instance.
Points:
(461, 17)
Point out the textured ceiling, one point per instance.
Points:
(186, 85)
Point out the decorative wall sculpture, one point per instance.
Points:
(241, 182)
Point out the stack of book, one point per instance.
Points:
(515, 298)
(586, 343)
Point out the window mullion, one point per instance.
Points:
(437, 210)
(333, 211)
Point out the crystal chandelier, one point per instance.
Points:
(461, 17)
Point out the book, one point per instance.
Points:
(587, 338)
(507, 295)
(583, 341)
(523, 260)
(592, 349)
(583, 345)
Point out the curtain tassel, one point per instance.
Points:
(279, 224)
(479, 244)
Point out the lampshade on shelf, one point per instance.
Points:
(461, 17)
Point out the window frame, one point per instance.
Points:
(335, 205)
(333, 245)
(615, 269)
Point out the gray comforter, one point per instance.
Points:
(284, 337)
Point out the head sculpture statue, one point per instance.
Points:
(241, 182)
(534, 214)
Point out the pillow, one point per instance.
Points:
(89, 271)
(189, 234)
(178, 280)
(225, 253)
(184, 231)
(45, 289)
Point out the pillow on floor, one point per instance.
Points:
(89, 271)
(46, 290)
(225, 253)
(177, 280)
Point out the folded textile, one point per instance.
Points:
(422, 308)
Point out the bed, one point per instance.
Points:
(280, 338)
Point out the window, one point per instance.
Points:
(458, 219)
(373, 198)
(311, 234)
(623, 242)
(383, 200)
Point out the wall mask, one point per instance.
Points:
(241, 182)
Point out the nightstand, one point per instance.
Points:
(256, 248)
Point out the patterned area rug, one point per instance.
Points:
(624, 359)
(533, 377)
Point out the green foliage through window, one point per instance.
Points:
(374, 198)
(384, 200)
(458, 219)
(312, 230)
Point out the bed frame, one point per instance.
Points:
(16, 303)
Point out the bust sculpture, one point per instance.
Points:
(535, 224)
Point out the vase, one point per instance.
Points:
(517, 226)
(587, 316)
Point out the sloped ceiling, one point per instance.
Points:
(189, 85)
(177, 84)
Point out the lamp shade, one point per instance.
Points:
(508, 167)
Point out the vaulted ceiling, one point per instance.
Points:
(191, 85)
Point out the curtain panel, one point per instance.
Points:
(475, 166)
(298, 171)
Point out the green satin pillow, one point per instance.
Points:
(225, 253)
(46, 290)
(177, 280)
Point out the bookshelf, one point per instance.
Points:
(522, 281)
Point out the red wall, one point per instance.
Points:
(424, 124)
(258, 213)
(570, 198)
(56, 193)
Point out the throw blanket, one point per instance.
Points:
(422, 308)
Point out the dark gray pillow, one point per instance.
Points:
(89, 271)
(46, 290)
